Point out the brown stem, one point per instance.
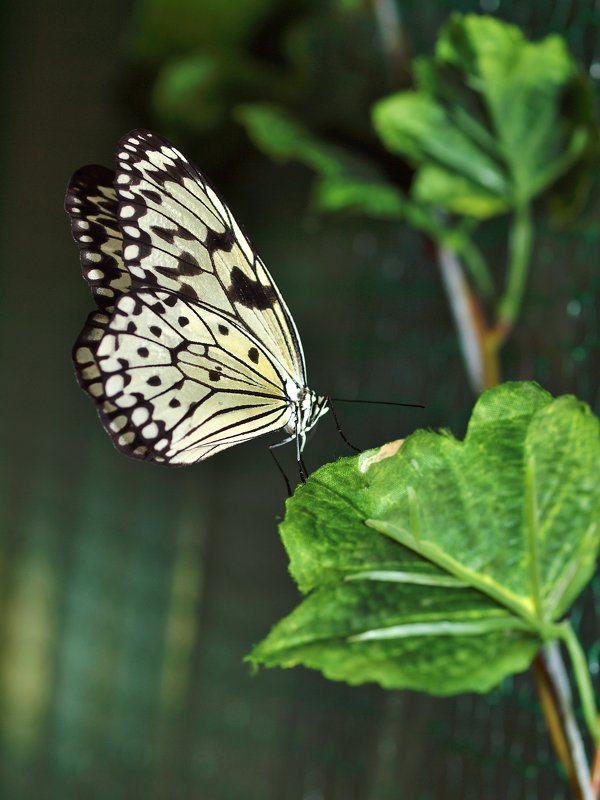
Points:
(481, 345)
(393, 41)
(555, 724)
(596, 774)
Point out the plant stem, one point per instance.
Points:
(464, 313)
(596, 773)
(393, 43)
(521, 241)
(547, 693)
(478, 343)
(567, 734)
(582, 679)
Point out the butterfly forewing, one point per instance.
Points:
(178, 234)
(192, 349)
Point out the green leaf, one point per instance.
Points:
(415, 125)
(278, 135)
(195, 91)
(436, 186)
(401, 635)
(344, 182)
(347, 193)
(440, 564)
(489, 126)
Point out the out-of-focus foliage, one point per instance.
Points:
(344, 179)
(161, 29)
(203, 58)
(494, 121)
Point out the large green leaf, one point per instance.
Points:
(440, 564)
(488, 127)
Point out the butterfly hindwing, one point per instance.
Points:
(185, 381)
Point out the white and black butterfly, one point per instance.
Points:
(191, 349)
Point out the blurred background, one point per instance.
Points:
(130, 593)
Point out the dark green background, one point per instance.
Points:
(130, 593)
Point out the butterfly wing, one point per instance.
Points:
(178, 235)
(92, 205)
(193, 349)
(181, 382)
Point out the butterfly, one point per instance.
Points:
(191, 348)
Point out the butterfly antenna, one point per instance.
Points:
(374, 402)
(281, 472)
(339, 427)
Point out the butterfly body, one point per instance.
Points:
(191, 349)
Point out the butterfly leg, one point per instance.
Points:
(280, 468)
(339, 429)
(299, 439)
(301, 465)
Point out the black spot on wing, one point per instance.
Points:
(188, 265)
(149, 194)
(163, 233)
(168, 272)
(188, 291)
(253, 355)
(219, 241)
(169, 235)
(249, 293)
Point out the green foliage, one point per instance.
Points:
(194, 91)
(343, 180)
(198, 53)
(165, 28)
(203, 57)
(495, 121)
(489, 127)
(442, 565)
